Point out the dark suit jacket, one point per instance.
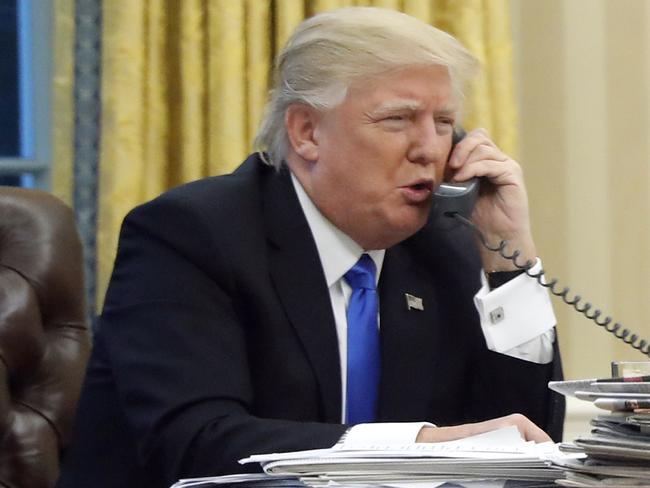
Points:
(217, 339)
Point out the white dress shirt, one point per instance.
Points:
(505, 313)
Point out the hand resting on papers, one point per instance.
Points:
(528, 430)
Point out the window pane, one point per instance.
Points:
(10, 180)
(9, 95)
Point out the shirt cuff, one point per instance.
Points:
(518, 313)
(538, 350)
(397, 433)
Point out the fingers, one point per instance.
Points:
(498, 172)
(528, 430)
(477, 155)
(444, 434)
(501, 211)
(536, 434)
(473, 139)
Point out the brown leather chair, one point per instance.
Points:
(44, 339)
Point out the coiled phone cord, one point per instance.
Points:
(576, 302)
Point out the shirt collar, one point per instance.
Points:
(338, 252)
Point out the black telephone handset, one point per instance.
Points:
(454, 198)
(453, 204)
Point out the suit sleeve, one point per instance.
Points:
(492, 384)
(508, 385)
(521, 383)
(178, 351)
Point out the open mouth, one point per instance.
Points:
(422, 186)
(418, 192)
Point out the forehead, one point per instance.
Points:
(409, 88)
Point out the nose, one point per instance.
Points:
(428, 145)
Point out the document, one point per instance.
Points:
(617, 451)
(594, 387)
(483, 460)
(254, 480)
(499, 454)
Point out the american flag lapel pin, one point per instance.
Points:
(413, 302)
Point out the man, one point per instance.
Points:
(226, 325)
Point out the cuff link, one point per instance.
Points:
(497, 315)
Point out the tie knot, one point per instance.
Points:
(362, 274)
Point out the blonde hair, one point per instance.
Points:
(329, 51)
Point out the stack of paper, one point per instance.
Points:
(258, 480)
(618, 447)
(500, 454)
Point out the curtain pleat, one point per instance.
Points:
(288, 14)
(419, 9)
(184, 86)
(226, 85)
(258, 62)
(498, 66)
(323, 5)
(123, 137)
(189, 96)
(394, 4)
(155, 109)
(63, 100)
(469, 26)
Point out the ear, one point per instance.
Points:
(300, 121)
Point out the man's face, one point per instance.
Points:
(380, 154)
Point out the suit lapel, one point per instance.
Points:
(407, 338)
(297, 274)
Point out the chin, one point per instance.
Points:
(396, 233)
(412, 222)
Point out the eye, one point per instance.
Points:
(394, 121)
(445, 124)
(445, 121)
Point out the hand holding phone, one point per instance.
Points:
(461, 198)
(500, 208)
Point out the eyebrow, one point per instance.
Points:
(392, 106)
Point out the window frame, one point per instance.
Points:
(35, 96)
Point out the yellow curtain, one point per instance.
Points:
(62, 100)
(184, 84)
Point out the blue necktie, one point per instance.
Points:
(363, 343)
